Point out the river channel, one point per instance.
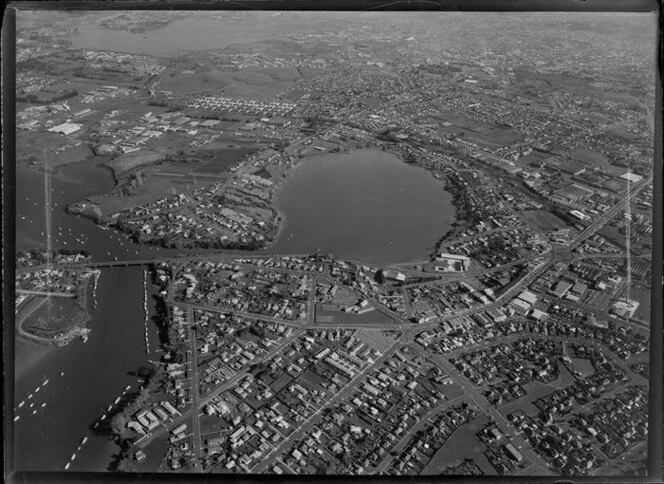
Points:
(83, 379)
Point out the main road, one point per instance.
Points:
(186, 414)
(345, 391)
(195, 397)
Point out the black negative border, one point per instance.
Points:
(656, 428)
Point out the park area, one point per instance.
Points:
(462, 444)
(54, 316)
(543, 220)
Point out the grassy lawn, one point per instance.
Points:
(642, 295)
(154, 454)
(583, 366)
(462, 444)
(223, 159)
(374, 316)
(55, 315)
(375, 339)
(543, 220)
(534, 391)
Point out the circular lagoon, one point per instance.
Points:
(367, 205)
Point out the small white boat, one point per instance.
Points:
(34, 412)
(116, 401)
(95, 425)
(85, 439)
(73, 456)
(109, 408)
(32, 405)
(45, 382)
(62, 373)
(43, 405)
(29, 396)
(37, 389)
(21, 404)
(127, 387)
(16, 418)
(67, 466)
(103, 417)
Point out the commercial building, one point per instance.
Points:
(452, 263)
(65, 128)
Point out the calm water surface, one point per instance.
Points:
(194, 34)
(95, 373)
(365, 205)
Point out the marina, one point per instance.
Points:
(88, 373)
(145, 310)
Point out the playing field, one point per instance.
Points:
(543, 220)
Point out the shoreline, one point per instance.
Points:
(454, 222)
(77, 329)
(89, 210)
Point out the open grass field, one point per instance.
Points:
(463, 444)
(565, 379)
(374, 316)
(642, 295)
(612, 234)
(55, 315)
(495, 137)
(534, 391)
(615, 185)
(588, 157)
(534, 157)
(551, 79)
(155, 187)
(251, 83)
(451, 390)
(621, 133)
(33, 146)
(543, 220)
(67, 156)
(154, 454)
(583, 366)
(375, 339)
(129, 161)
(283, 380)
(475, 131)
(222, 160)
